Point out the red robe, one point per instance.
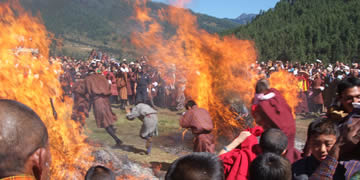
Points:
(81, 103)
(279, 112)
(237, 161)
(111, 77)
(316, 96)
(200, 122)
(98, 89)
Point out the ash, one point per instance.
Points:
(122, 166)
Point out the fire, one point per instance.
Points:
(286, 83)
(26, 75)
(214, 67)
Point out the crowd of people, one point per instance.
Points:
(317, 81)
(131, 81)
(265, 151)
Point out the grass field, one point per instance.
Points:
(167, 147)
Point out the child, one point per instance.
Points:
(322, 137)
(196, 166)
(270, 166)
(99, 173)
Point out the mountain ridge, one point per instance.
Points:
(244, 18)
(103, 24)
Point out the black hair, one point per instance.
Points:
(196, 166)
(270, 166)
(274, 141)
(190, 104)
(323, 127)
(99, 173)
(347, 83)
(261, 86)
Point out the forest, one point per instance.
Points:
(305, 30)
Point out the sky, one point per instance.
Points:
(228, 8)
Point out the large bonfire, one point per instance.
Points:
(26, 75)
(216, 68)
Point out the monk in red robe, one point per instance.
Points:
(201, 125)
(271, 110)
(98, 90)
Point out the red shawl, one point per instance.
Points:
(237, 161)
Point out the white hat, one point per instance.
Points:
(131, 63)
(318, 60)
(124, 59)
(329, 69)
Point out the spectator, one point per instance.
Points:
(343, 155)
(24, 148)
(270, 166)
(196, 166)
(348, 92)
(99, 173)
(322, 136)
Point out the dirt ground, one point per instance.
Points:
(167, 147)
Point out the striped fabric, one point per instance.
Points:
(19, 177)
(328, 166)
(352, 168)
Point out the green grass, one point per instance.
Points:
(128, 132)
(170, 137)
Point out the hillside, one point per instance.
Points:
(244, 18)
(85, 24)
(305, 30)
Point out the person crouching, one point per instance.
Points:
(148, 116)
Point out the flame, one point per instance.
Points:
(215, 68)
(286, 83)
(27, 76)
